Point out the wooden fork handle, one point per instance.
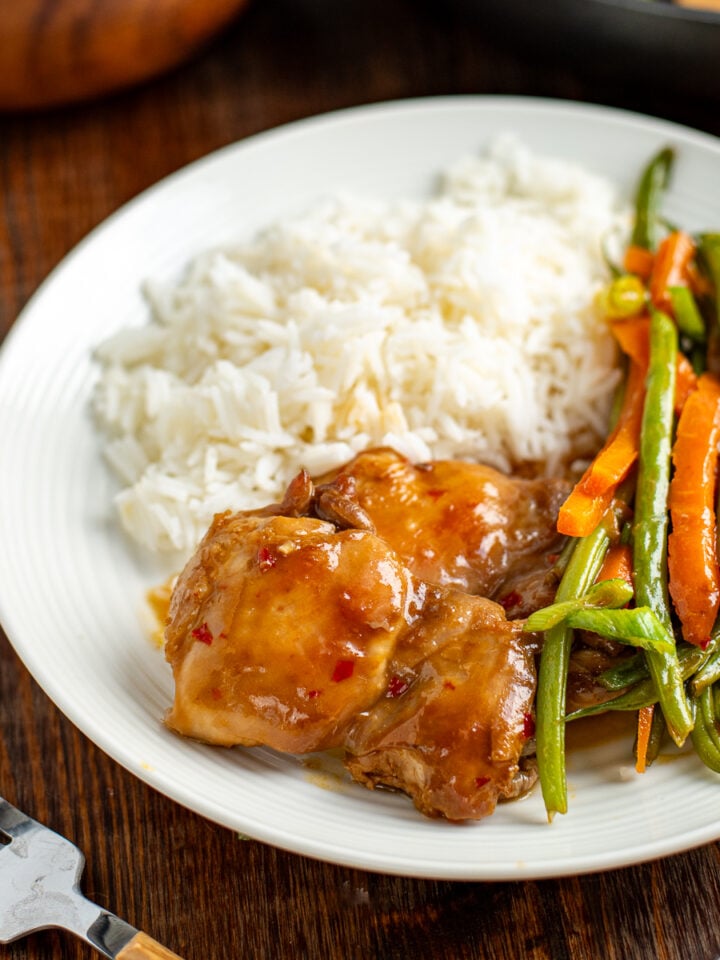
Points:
(143, 947)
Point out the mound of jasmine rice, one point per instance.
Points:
(458, 326)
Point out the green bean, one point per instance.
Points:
(612, 268)
(709, 671)
(651, 518)
(641, 695)
(563, 558)
(693, 658)
(705, 736)
(635, 669)
(658, 729)
(618, 397)
(632, 670)
(716, 702)
(709, 256)
(580, 573)
(687, 315)
(705, 748)
(698, 358)
(642, 692)
(648, 198)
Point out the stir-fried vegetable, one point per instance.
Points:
(638, 261)
(651, 517)
(594, 493)
(618, 564)
(642, 744)
(654, 582)
(597, 611)
(607, 593)
(686, 313)
(705, 734)
(649, 198)
(580, 573)
(670, 268)
(692, 547)
(709, 256)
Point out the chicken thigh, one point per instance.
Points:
(457, 713)
(454, 523)
(294, 633)
(280, 631)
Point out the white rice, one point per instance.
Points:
(462, 326)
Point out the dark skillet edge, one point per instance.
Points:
(651, 45)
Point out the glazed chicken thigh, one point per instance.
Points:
(457, 714)
(346, 616)
(280, 631)
(455, 523)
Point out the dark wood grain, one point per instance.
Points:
(197, 887)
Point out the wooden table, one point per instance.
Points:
(193, 885)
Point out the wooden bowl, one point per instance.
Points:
(57, 51)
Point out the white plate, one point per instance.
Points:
(72, 589)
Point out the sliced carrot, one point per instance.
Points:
(633, 336)
(638, 260)
(582, 512)
(686, 382)
(618, 563)
(644, 728)
(612, 464)
(671, 267)
(594, 492)
(694, 578)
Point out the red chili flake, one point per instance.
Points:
(312, 694)
(202, 633)
(435, 493)
(343, 670)
(552, 558)
(448, 684)
(511, 599)
(266, 559)
(705, 642)
(528, 725)
(396, 687)
(481, 781)
(216, 693)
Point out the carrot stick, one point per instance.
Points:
(613, 462)
(644, 727)
(694, 578)
(594, 492)
(582, 512)
(617, 564)
(633, 336)
(686, 382)
(639, 260)
(672, 262)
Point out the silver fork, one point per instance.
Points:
(40, 875)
